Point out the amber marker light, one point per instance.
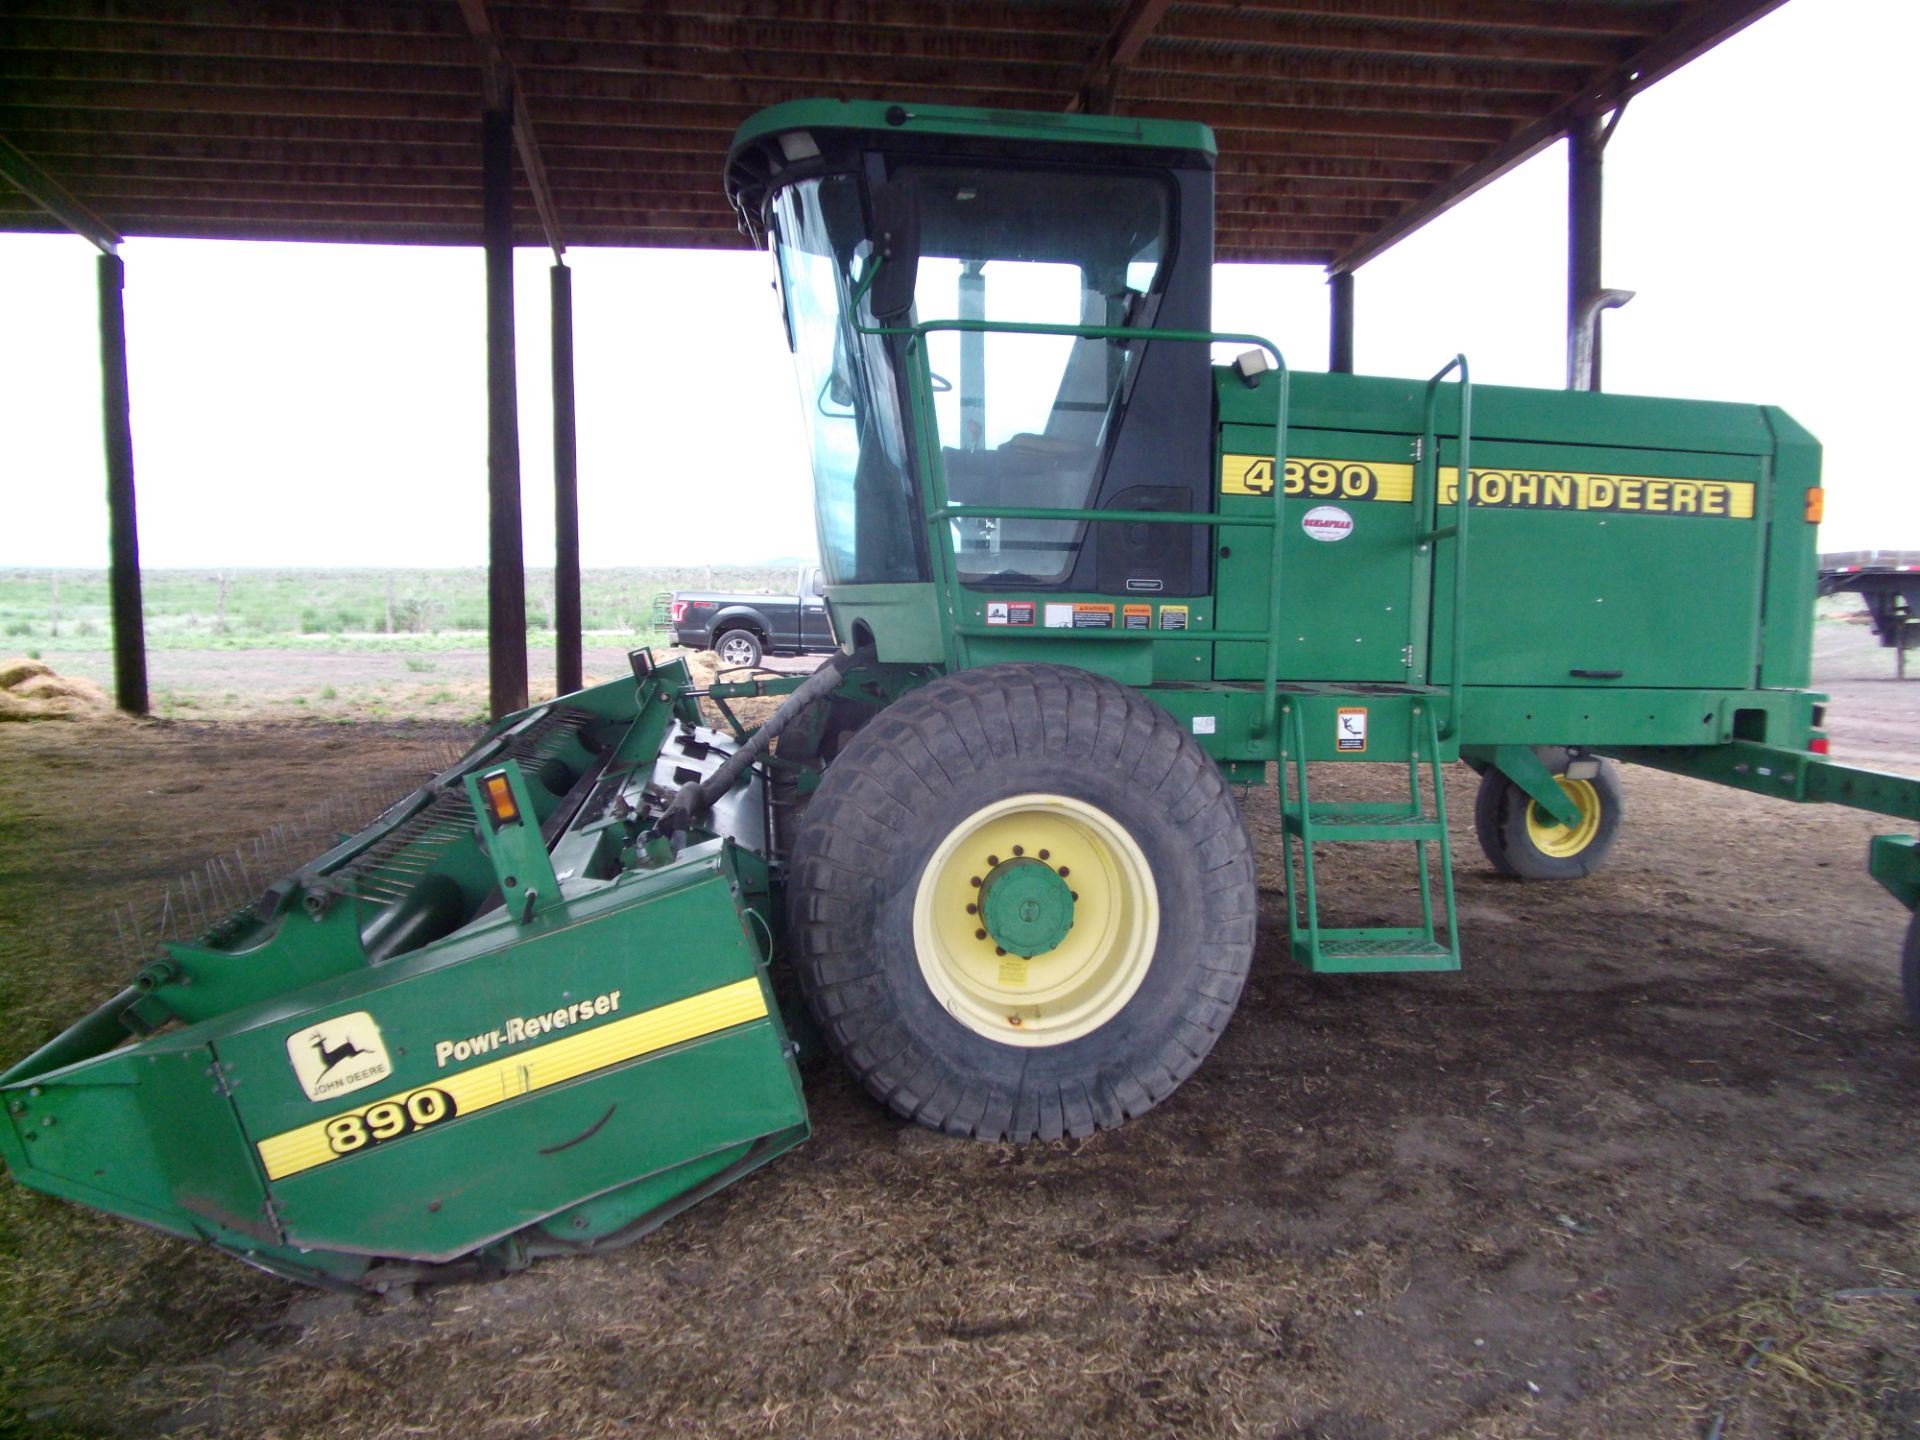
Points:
(499, 798)
(1816, 505)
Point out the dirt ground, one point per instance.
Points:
(1646, 1167)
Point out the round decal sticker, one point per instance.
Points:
(1327, 522)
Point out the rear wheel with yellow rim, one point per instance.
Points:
(1524, 841)
(1023, 903)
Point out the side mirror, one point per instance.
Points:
(896, 246)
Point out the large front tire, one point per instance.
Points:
(1023, 904)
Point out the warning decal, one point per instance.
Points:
(1173, 617)
(1079, 615)
(1136, 617)
(1495, 489)
(1350, 730)
(1010, 612)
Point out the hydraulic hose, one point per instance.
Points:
(698, 796)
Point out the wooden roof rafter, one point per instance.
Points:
(1350, 121)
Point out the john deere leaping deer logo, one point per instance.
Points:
(332, 1055)
(339, 1055)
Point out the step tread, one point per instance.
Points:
(1372, 949)
(1320, 816)
(1349, 826)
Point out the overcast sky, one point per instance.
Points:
(324, 405)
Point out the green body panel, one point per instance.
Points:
(1894, 860)
(1673, 618)
(903, 621)
(1347, 606)
(148, 1134)
(1667, 599)
(1793, 563)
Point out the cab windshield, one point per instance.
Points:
(849, 396)
(1021, 420)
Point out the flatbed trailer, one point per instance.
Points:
(1889, 582)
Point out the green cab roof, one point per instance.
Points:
(885, 117)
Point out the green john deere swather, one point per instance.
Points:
(1087, 578)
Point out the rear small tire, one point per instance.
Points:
(1522, 841)
(967, 780)
(738, 649)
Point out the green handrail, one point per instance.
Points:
(1457, 532)
(943, 509)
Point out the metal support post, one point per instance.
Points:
(123, 530)
(1340, 338)
(566, 493)
(973, 357)
(506, 574)
(1586, 142)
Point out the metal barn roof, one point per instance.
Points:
(1342, 124)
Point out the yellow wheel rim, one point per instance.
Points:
(1075, 986)
(1563, 842)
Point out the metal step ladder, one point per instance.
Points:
(1421, 820)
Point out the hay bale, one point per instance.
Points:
(38, 692)
(12, 672)
(50, 686)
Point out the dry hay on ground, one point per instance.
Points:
(33, 690)
(12, 672)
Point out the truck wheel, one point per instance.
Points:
(737, 648)
(1523, 841)
(1022, 903)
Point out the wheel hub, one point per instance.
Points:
(1035, 919)
(1563, 842)
(1026, 907)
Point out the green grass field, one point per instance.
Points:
(67, 610)
(341, 645)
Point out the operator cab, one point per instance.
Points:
(883, 218)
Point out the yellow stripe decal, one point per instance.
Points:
(466, 1091)
(1355, 480)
